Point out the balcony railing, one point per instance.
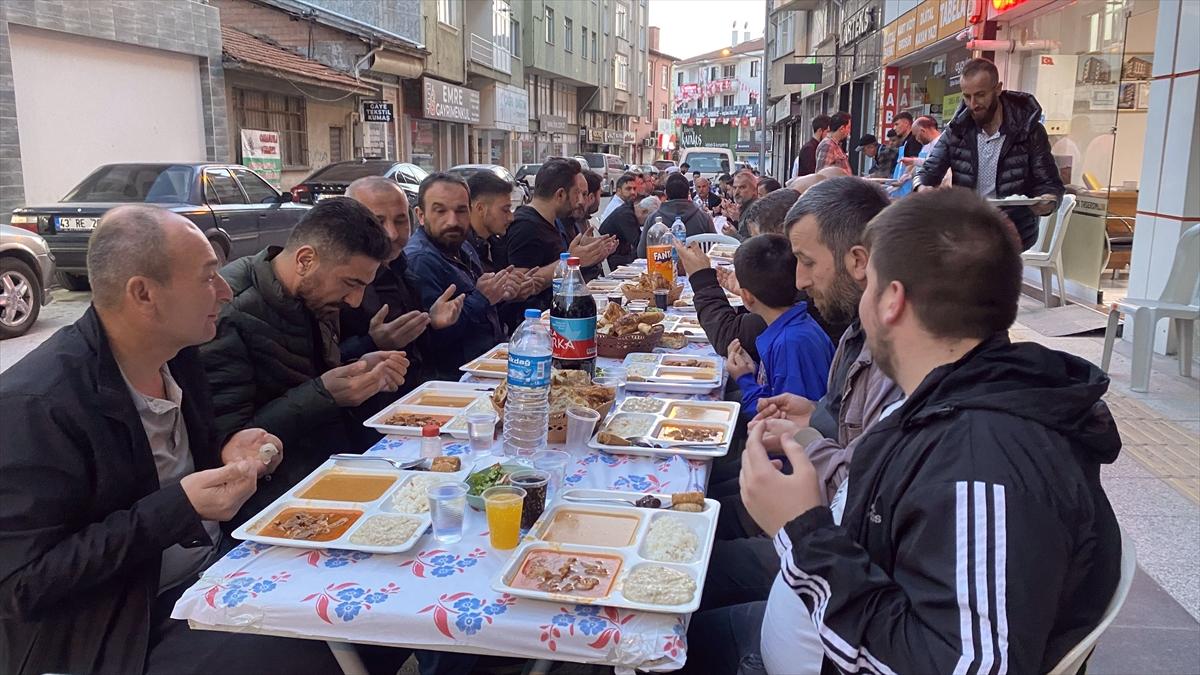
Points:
(487, 53)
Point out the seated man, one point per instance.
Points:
(975, 535)
(491, 216)
(624, 192)
(276, 362)
(438, 256)
(390, 315)
(113, 478)
(793, 352)
(626, 225)
(678, 205)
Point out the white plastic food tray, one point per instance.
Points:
(662, 415)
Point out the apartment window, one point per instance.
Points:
(544, 104)
(276, 112)
(549, 20)
(664, 112)
(622, 21)
(729, 71)
(712, 102)
(514, 32)
(583, 43)
(649, 110)
(594, 50)
(712, 73)
(727, 100)
(502, 25)
(621, 71)
(679, 79)
(642, 27)
(754, 68)
(664, 74)
(447, 11)
(568, 35)
(784, 41)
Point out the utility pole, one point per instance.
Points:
(762, 92)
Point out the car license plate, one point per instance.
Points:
(75, 223)
(324, 195)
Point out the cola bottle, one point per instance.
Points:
(573, 324)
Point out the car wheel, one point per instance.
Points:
(219, 247)
(20, 297)
(73, 282)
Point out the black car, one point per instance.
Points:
(235, 208)
(333, 179)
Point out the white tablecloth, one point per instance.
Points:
(440, 596)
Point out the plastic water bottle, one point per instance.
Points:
(679, 231)
(560, 272)
(527, 407)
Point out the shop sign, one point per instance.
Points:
(628, 138)
(377, 111)
(906, 28)
(444, 101)
(260, 153)
(504, 107)
(553, 124)
(950, 106)
(1004, 5)
(705, 137)
(595, 136)
(887, 43)
(858, 26)
(888, 104)
(952, 17)
(927, 24)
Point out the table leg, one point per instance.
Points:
(347, 657)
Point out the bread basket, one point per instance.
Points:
(634, 293)
(618, 347)
(557, 430)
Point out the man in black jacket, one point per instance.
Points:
(996, 145)
(678, 205)
(975, 534)
(112, 478)
(276, 362)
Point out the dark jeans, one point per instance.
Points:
(176, 649)
(739, 571)
(726, 641)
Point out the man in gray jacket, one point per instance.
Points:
(679, 205)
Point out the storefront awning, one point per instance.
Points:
(244, 51)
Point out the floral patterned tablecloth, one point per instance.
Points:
(439, 596)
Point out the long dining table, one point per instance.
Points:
(440, 596)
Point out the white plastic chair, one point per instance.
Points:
(1074, 659)
(1048, 257)
(1179, 301)
(709, 239)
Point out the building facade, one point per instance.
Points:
(716, 98)
(656, 127)
(612, 103)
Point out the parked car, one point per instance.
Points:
(235, 208)
(332, 180)
(609, 167)
(527, 173)
(26, 272)
(710, 162)
(662, 164)
(645, 168)
(519, 195)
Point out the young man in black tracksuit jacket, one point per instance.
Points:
(975, 536)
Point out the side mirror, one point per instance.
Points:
(285, 197)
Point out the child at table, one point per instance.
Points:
(794, 351)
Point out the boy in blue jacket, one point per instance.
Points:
(795, 351)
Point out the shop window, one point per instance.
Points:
(568, 35)
(282, 114)
(549, 21)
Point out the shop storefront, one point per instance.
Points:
(549, 136)
(503, 125)
(438, 134)
(610, 141)
(922, 60)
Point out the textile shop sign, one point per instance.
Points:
(377, 111)
(446, 102)
(260, 153)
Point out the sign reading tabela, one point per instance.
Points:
(260, 153)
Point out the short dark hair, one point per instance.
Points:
(975, 66)
(555, 174)
(339, 228)
(958, 257)
(439, 177)
(843, 207)
(838, 120)
(487, 184)
(593, 181)
(685, 166)
(115, 246)
(903, 116)
(677, 186)
(769, 266)
(625, 178)
(820, 123)
(724, 178)
(769, 212)
(770, 184)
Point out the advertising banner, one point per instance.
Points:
(260, 153)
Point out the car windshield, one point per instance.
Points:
(153, 183)
(347, 172)
(595, 160)
(705, 162)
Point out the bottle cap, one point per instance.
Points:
(430, 430)
(533, 314)
(564, 256)
(572, 262)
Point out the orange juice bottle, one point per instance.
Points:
(503, 505)
(658, 251)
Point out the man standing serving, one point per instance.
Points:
(829, 152)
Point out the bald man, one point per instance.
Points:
(112, 477)
(391, 315)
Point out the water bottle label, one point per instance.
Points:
(528, 371)
(555, 285)
(573, 338)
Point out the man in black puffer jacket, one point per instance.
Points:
(275, 362)
(996, 145)
(678, 205)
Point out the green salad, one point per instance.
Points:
(484, 479)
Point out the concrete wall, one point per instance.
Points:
(402, 17)
(445, 45)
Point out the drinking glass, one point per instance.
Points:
(534, 483)
(614, 378)
(447, 506)
(553, 462)
(482, 430)
(580, 424)
(662, 298)
(503, 505)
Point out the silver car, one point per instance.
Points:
(26, 270)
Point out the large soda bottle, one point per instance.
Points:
(659, 250)
(679, 234)
(527, 407)
(573, 323)
(560, 272)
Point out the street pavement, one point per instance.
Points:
(1152, 487)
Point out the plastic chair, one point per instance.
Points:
(710, 239)
(1179, 301)
(1074, 659)
(1048, 257)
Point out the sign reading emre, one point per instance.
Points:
(377, 111)
(444, 101)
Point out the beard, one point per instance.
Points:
(840, 303)
(983, 118)
(307, 291)
(883, 351)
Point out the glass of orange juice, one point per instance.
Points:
(503, 505)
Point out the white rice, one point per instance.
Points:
(671, 540)
(659, 585)
(411, 497)
(385, 531)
